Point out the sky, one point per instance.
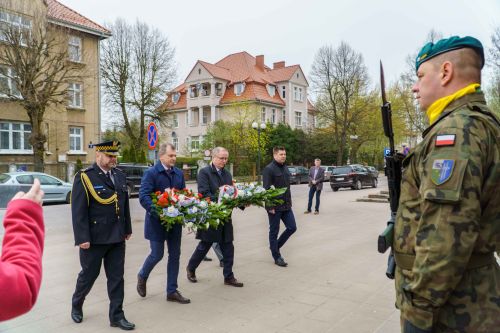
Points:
(293, 31)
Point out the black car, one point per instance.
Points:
(373, 171)
(134, 174)
(353, 176)
(298, 174)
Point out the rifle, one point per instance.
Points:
(393, 162)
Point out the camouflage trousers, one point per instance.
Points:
(472, 307)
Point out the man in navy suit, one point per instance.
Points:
(210, 179)
(161, 176)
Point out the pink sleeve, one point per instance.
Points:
(21, 261)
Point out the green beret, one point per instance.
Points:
(430, 50)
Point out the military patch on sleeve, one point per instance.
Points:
(441, 171)
(445, 140)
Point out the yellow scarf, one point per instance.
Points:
(438, 106)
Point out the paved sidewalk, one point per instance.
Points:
(335, 281)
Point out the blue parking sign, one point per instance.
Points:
(387, 151)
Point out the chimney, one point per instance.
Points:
(279, 64)
(260, 61)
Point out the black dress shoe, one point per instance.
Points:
(124, 324)
(233, 282)
(177, 297)
(76, 315)
(141, 286)
(191, 276)
(280, 262)
(207, 259)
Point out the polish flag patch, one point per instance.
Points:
(445, 140)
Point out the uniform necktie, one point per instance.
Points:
(108, 174)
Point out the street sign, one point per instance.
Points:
(387, 151)
(152, 136)
(207, 153)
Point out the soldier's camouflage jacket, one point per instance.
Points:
(449, 212)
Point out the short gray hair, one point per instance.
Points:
(317, 159)
(163, 148)
(218, 150)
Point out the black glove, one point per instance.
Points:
(408, 327)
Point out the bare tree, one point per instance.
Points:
(339, 76)
(137, 67)
(35, 60)
(494, 88)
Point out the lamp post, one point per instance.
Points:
(353, 138)
(258, 127)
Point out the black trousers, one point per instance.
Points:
(113, 256)
(201, 251)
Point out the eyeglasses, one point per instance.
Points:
(222, 158)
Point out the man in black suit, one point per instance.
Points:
(101, 224)
(316, 178)
(276, 174)
(210, 179)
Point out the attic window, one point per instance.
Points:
(271, 90)
(218, 89)
(239, 88)
(199, 71)
(175, 97)
(297, 75)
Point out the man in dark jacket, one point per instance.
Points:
(101, 224)
(163, 175)
(210, 179)
(276, 173)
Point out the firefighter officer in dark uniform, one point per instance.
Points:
(101, 224)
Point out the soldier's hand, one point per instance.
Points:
(127, 237)
(35, 194)
(85, 245)
(272, 211)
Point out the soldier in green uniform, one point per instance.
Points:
(448, 222)
(101, 224)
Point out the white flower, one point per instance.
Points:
(182, 197)
(226, 195)
(272, 187)
(171, 209)
(218, 221)
(190, 225)
(193, 210)
(207, 225)
(203, 204)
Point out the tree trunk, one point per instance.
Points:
(37, 138)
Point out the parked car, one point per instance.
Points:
(298, 174)
(134, 173)
(328, 171)
(55, 189)
(353, 176)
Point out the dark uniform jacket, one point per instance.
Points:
(209, 182)
(278, 175)
(155, 179)
(95, 222)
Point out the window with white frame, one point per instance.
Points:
(75, 95)
(188, 146)
(187, 119)
(175, 97)
(75, 139)
(271, 90)
(175, 142)
(263, 115)
(175, 120)
(205, 115)
(239, 88)
(20, 23)
(298, 118)
(297, 94)
(8, 86)
(195, 143)
(283, 90)
(218, 89)
(283, 116)
(14, 137)
(273, 116)
(75, 48)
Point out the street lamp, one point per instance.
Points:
(353, 138)
(258, 127)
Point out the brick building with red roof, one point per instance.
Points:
(70, 127)
(237, 86)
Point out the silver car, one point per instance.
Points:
(55, 189)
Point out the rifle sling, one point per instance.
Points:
(405, 261)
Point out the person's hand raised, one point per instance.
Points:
(35, 194)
